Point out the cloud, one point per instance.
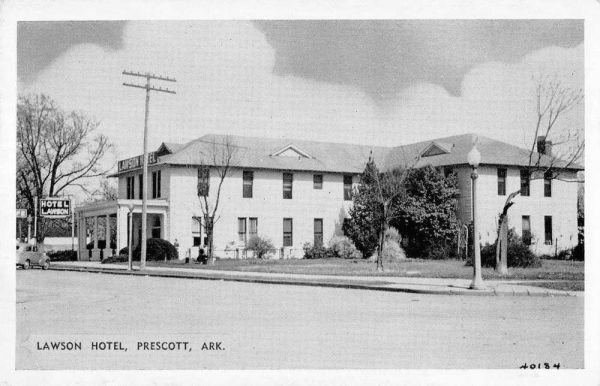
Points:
(225, 84)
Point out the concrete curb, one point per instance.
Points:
(312, 283)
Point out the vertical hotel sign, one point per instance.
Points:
(136, 162)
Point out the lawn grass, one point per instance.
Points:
(551, 270)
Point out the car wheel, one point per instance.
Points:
(26, 264)
(46, 264)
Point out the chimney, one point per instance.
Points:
(543, 146)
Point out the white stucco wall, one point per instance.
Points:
(562, 206)
(267, 205)
(179, 189)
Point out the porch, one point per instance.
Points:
(103, 228)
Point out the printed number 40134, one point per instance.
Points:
(545, 365)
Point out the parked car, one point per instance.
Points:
(29, 255)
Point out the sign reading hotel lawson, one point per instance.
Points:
(136, 162)
(55, 207)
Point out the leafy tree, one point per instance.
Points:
(362, 226)
(371, 212)
(426, 214)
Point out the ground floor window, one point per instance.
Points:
(156, 228)
(242, 229)
(196, 231)
(288, 226)
(548, 230)
(318, 232)
(526, 230)
(253, 231)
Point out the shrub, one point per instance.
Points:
(316, 252)
(115, 259)
(259, 245)
(67, 255)
(518, 254)
(579, 252)
(156, 249)
(342, 246)
(392, 250)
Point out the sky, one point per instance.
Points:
(368, 82)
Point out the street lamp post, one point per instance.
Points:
(129, 244)
(474, 157)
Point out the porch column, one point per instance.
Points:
(107, 248)
(95, 250)
(122, 229)
(81, 251)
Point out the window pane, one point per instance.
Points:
(318, 232)
(288, 179)
(548, 184)
(287, 232)
(248, 178)
(141, 179)
(548, 230)
(318, 181)
(525, 177)
(196, 224)
(242, 229)
(347, 188)
(253, 226)
(501, 182)
(526, 226)
(203, 181)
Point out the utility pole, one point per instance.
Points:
(148, 87)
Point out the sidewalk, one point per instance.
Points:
(392, 284)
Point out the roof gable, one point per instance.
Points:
(291, 150)
(436, 148)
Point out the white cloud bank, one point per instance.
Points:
(225, 84)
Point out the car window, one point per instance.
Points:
(28, 248)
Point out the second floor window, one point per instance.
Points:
(288, 180)
(348, 188)
(548, 184)
(203, 181)
(501, 181)
(525, 180)
(317, 181)
(141, 193)
(156, 184)
(248, 179)
(130, 185)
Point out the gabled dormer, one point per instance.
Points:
(167, 148)
(291, 151)
(437, 148)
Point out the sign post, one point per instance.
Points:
(21, 214)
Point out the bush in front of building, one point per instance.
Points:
(261, 246)
(65, 255)
(342, 246)
(156, 250)
(519, 254)
(316, 251)
(579, 252)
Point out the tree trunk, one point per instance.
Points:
(380, 249)
(502, 247)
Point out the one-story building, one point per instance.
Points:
(295, 191)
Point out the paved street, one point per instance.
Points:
(242, 325)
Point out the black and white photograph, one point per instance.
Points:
(284, 192)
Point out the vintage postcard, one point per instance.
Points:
(379, 191)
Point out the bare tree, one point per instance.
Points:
(219, 159)
(55, 150)
(553, 99)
